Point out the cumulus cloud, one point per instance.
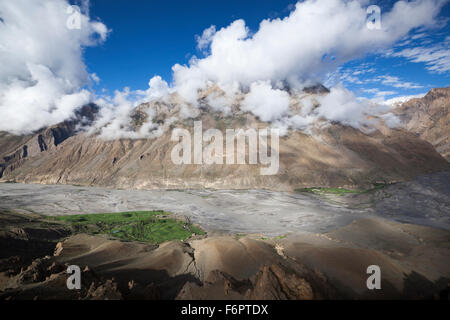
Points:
(114, 120)
(315, 38)
(340, 105)
(219, 102)
(157, 89)
(265, 102)
(42, 72)
(40, 85)
(298, 50)
(204, 40)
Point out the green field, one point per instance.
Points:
(147, 226)
(339, 191)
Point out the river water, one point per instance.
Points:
(426, 200)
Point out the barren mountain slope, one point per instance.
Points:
(339, 156)
(330, 156)
(429, 118)
(15, 149)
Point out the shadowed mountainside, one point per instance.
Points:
(429, 118)
(330, 156)
(413, 260)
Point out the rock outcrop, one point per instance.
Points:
(307, 266)
(429, 118)
(14, 150)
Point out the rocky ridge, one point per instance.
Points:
(330, 155)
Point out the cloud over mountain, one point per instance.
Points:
(44, 76)
(42, 71)
(314, 39)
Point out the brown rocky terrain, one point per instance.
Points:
(413, 260)
(15, 149)
(288, 261)
(429, 118)
(332, 156)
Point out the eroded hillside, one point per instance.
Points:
(327, 155)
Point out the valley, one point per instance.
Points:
(300, 245)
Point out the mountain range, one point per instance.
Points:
(331, 155)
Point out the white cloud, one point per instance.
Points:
(397, 83)
(379, 94)
(401, 99)
(350, 78)
(266, 103)
(436, 58)
(221, 103)
(341, 105)
(95, 77)
(114, 119)
(42, 70)
(205, 39)
(157, 89)
(40, 85)
(298, 50)
(315, 38)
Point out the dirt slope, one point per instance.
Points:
(429, 118)
(413, 261)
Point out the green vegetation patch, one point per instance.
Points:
(146, 226)
(327, 190)
(340, 191)
(274, 238)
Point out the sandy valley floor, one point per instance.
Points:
(326, 244)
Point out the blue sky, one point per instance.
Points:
(49, 50)
(148, 37)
